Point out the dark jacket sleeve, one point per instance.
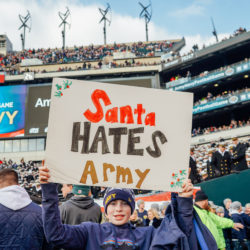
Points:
(184, 214)
(246, 219)
(241, 152)
(214, 162)
(60, 235)
(176, 226)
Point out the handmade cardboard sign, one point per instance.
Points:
(113, 135)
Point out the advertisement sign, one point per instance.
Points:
(231, 100)
(211, 77)
(12, 110)
(37, 110)
(120, 136)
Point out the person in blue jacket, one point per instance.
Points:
(240, 236)
(180, 229)
(20, 219)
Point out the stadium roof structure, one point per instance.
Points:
(232, 47)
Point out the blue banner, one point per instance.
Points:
(223, 102)
(185, 83)
(12, 110)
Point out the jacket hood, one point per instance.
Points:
(82, 202)
(14, 197)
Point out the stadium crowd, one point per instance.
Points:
(222, 227)
(210, 97)
(212, 129)
(84, 54)
(219, 158)
(195, 47)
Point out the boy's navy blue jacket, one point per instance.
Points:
(244, 220)
(176, 231)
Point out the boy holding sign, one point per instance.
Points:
(176, 231)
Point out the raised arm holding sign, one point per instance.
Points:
(119, 204)
(119, 136)
(124, 137)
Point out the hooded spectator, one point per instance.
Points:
(20, 219)
(80, 207)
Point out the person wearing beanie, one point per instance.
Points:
(142, 213)
(213, 222)
(177, 230)
(80, 207)
(239, 236)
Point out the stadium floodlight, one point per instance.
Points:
(26, 23)
(214, 32)
(105, 19)
(146, 13)
(64, 17)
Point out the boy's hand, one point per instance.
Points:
(44, 175)
(187, 189)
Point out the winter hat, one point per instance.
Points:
(81, 190)
(125, 194)
(235, 205)
(200, 196)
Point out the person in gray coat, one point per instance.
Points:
(80, 207)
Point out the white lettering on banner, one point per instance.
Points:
(200, 81)
(243, 97)
(9, 115)
(245, 66)
(187, 57)
(6, 105)
(171, 63)
(239, 68)
(34, 130)
(42, 103)
(208, 106)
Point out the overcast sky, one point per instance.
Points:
(170, 20)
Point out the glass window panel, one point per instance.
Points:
(32, 145)
(40, 144)
(24, 145)
(16, 145)
(8, 146)
(1, 146)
